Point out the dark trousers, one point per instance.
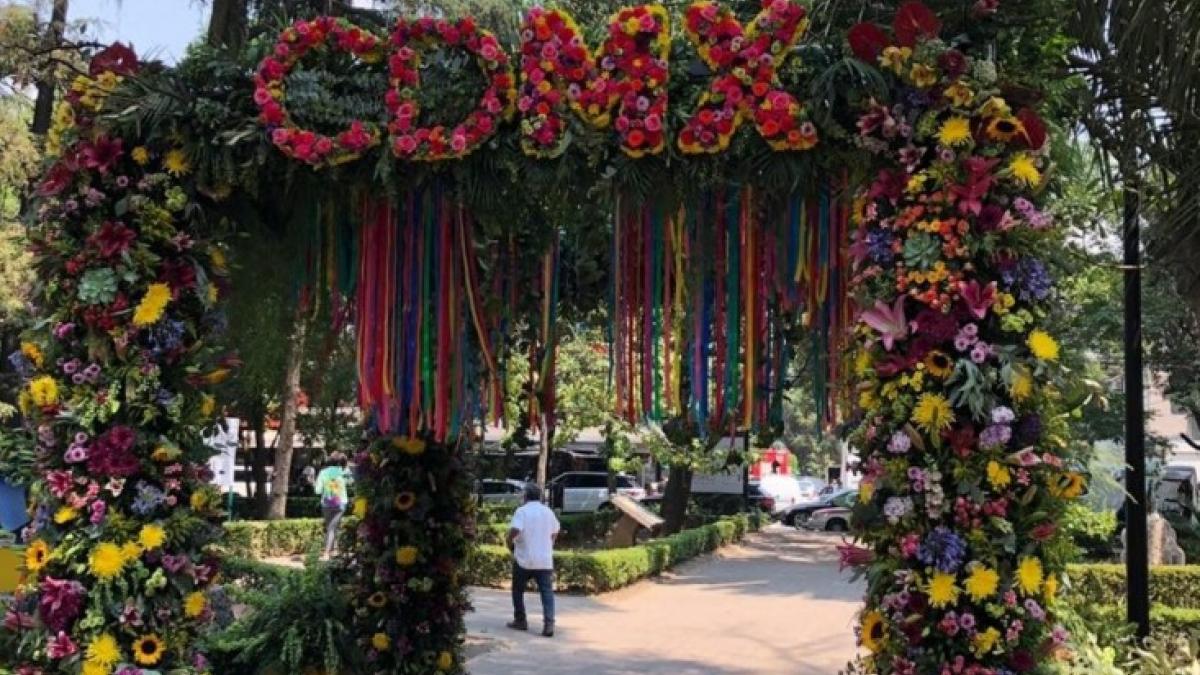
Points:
(333, 518)
(545, 584)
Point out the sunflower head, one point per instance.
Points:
(377, 600)
(1004, 128)
(37, 555)
(873, 633)
(405, 501)
(148, 650)
(939, 364)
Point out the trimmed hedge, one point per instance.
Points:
(578, 529)
(1171, 586)
(298, 506)
(272, 538)
(254, 573)
(600, 571)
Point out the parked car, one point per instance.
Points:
(798, 514)
(497, 491)
(760, 500)
(783, 489)
(810, 487)
(582, 491)
(831, 519)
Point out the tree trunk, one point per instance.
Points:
(287, 424)
(227, 25)
(258, 463)
(43, 108)
(543, 465)
(675, 499)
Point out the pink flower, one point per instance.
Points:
(850, 555)
(979, 299)
(99, 509)
(60, 482)
(60, 646)
(889, 321)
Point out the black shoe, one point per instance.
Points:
(548, 630)
(518, 624)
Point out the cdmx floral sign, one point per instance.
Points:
(622, 84)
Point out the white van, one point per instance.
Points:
(783, 489)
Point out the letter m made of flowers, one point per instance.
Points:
(629, 73)
(744, 85)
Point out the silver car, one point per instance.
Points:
(832, 519)
(497, 491)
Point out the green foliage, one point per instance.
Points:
(1172, 587)
(302, 623)
(297, 507)
(270, 538)
(578, 529)
(1093, 532)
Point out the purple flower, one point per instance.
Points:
(60, 646)
(967, 621)
(60, 602)
(1035, 610)
(1028, 277)
(1029, 429)
(943, 549)
(1002, 415)
(980, 352)
(99, 509)
(879, 246)
(899, 443)
(995, 436)
(21, 364)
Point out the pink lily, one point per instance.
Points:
(889, 321)
(979, 299)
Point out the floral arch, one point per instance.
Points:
(898, 218)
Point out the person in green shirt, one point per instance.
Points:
(331, 487)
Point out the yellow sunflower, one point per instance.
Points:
(1069, 485)
(873, 633)
(406, 556)
(1042, 345)
(377, 600)
(981, 583)
(37, 555)
(194, 604)
(176, 163)
(152, 536)
(106, 561)
(939, 364)
(104, 650)
(954, 132)
(942, 590)
(152, 305)
(1029, 575)
(148, 650)
(381, 642)
(1004, 128)
(1023, 169)
(933, 413)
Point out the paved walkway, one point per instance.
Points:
(775, 605)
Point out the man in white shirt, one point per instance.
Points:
(531, 539)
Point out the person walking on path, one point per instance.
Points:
(331, 487)
(531, 539)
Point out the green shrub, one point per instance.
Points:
(1175, 586)
(253, 573)
(271, 538)
(1093, 532)
(298, 506)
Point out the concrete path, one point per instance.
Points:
(775, 605)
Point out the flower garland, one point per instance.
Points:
(410, 141)
(403, 557)
(116, 573)
(962, 447)
(630, 68)
(746, 84)
(294, 42)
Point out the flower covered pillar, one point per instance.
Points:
(115, 396)
(965, 473)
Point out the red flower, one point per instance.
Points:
(1035, 128)
(101, 154)
(57, 179)
(953, 62)
(914, 21)
(867, 41)
(117, 58)
(180, 275)
(113, 238)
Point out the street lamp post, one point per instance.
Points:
(1137, 572)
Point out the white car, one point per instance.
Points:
(783, 489)
(810, 487)
(582, 491)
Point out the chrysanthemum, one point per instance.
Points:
(1029, 575)
(44, 391)
(104, 650)
(406, 555)
(1021, 387)
(942, 590)
(140, 155)
(954, 132)
(95, 668)
(998, 475)
(872, 633)
(33, 353)
(176, 163)
(194, 604)
(37, 555)
(106, 561)
(981, 583)
(1043, 347)
(381, 642)
(933, 413)
(152, 305)
(131, 551)
(1024, 169)
(148, 650)
(1050, 589)
(152, 536)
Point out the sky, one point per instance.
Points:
(158, 29)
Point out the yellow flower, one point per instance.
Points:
(65, 514)
(868, 400)
(942, 590)
(982, 583)
(94, 668)
(916, 183)
(1022, 385)
(165, 453)
(1050, 589)
(954, 132)
(406, 556)
(219, 263)
(208, 405)
(1069, 485)
(959, 94)
(933, 413)
(104, 650)
(33, 353)
(872, 633)
(140, 155)
(152, 536)
(381, 642)
(194, 604)
(1004, 128)
(131, 551)
(360, 507)
(176, 163)
(445, 661)
(212, 294)
(37, 555)
(998, 475)
(923, 76)
(1024, 169)
(984, 642)
(995, 107)
(1043, 347)
(1029, 576)
(866, 490)
(410, 446)
(106, 561)
(151, 308)
(148, 650)
(44, 391)
(894, 58)
(938, 364)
